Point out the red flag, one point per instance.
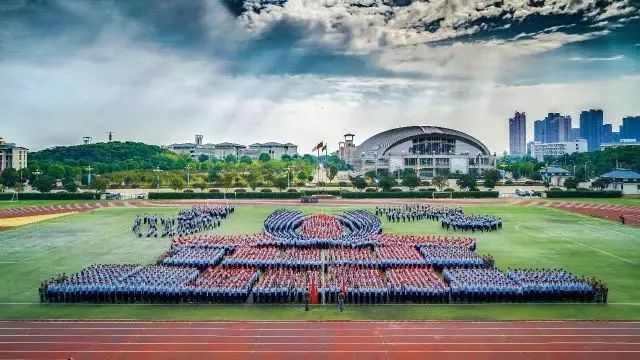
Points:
(344, 290)
(314, 291)
(319, 146)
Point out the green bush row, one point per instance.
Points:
(418, 195)
(583, 194)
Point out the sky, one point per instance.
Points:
(303, 71)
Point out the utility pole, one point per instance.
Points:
(188, 168)
(157, 170)
(88, 169)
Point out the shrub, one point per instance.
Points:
(449, 190)
(474, 189)
(529, 182)
(188, 191)
(214, 190)
(343, 184)
(508, 182)
(422, 189)
(266, 190)
(240, 191)
(425, 183)
(583, 189)
(395, 190)
(555, 189)
(370, 190)
(292, 191)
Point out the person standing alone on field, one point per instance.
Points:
(341, 302)
(306, 300)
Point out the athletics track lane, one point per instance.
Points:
(319, 340)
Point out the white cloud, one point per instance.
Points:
(368, 25)
(611, 58)
(154, 95)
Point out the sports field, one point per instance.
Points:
(532, 237)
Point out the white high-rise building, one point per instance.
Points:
(518, 134)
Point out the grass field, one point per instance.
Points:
(532, 237)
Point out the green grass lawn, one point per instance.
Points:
(532, 237)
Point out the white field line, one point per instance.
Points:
(314, 336)
(575, 242)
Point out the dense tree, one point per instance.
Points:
(69, 184)
(440, 182)
(264, 157)
(332, 171)
(468, 180)
(410, 179)
(10, 177)
(176, 183)
(491, 178)
(44, 183)
(571, 183)
(230, 159)
(227, 178)
(387, 181)
(246, 160)
(286, 157)
(281, 183)
(203, 158)
(359, 182)
(600, 184)
(99, 184)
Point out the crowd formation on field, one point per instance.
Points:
(186, 222)
(302, 258)
(451, 218)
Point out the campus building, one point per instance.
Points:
(591, 127)
(222, 150)
(621, 143)
(518, 134)
(539, 151)
(625, 180)
(12, 156)
(430, 150)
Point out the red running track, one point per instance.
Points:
(319, 340)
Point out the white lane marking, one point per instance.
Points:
(575, 242)
(328, 343)
(319, 335)
(320, 328)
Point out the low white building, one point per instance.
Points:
(222, 150)
(554, 175)
(623, 142)
(273, 149)
(540, 150)
(625, 180)
(12, 156)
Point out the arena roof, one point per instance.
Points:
(385, 140)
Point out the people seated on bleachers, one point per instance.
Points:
(416, 285)
(551, 285)
(285, 285)
(480, 285)
(443, 256)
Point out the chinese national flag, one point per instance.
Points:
(344, 290)
(314, 291)
(319, 146)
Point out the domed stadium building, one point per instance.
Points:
(430, 150)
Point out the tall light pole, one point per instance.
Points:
(289, 176)
(157, 170)
(88, 169)
(188, 168)
(585, 170)
(37, 173)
